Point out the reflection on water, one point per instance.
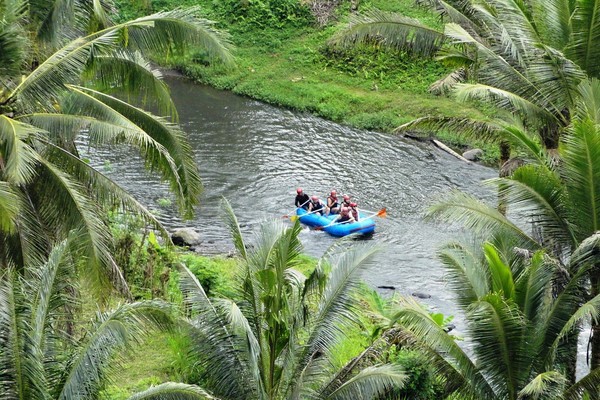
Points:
(256, 155)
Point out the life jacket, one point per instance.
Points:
(346, 203)
(333, 200)
(354, 212)
(316, 205)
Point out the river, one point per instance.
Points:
(256, 155)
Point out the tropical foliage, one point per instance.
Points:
(561, 201)
(276, 340)
(43, 354)
(71, 77)
(522, 310)
(523, 57)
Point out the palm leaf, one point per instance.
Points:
(554, 18)
(391, 30)
(370, 383)
(234, 228)
(9, 208)
(18, 157)
(588, 101)
(115, 332)
(130, 76)
(173, 391)
(467, 127)
(588, 383)
(547, 385)
(582, 176)
(586, 34)
(181, 173)
(463, 209)
(538, 191)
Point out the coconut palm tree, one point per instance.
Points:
(562, 200)
(56, 94)
(525, 58)
(39, 357)
(517, 323)
(276, 340)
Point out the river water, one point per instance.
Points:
(256, 155)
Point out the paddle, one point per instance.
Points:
(301, 205)
(381, 213)
(293, 218)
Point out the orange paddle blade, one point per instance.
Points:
(382, 213)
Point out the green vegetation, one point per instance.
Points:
(86, 283)
(286, 61)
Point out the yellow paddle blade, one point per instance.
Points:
(294, 218)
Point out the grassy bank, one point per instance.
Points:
(283, 58)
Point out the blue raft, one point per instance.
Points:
(363, 226)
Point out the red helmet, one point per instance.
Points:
(346, 197)
(353, 204)
(315, 198)
(333, 192)
(299, 190)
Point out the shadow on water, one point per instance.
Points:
(256, 155)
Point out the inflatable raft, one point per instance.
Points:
(363, 226)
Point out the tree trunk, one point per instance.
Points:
(504, 157)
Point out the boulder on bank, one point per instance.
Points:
(186, 237)
(473, 154)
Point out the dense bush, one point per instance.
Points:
(422, 384)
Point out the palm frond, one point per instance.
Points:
(586, 34)
(80, 212)
(9, 208)
(441, 348)
(13, 40)
(582, 176)
(503, 99)
(370, 383)
(545, 386)
(173, 391)
(158, 32)
(115, 332)
(464, 273)
(391, 30)
(466, 210)
(539, 192)
(106, 191)
(217, 348)
(234, 228)
(588, 383)
(176, 31)
(554, 18)
(19, 158)
(445, 84)
(130, 76)
(498, 326)
(176, 164)
(588, 101)
(334, 309)
(467, 127)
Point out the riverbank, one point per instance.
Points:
(288, 63)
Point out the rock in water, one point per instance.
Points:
(473, 154)
(186, 237)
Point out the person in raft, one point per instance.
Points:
(302, 199)
(346, 202)
(354, 210)
(315, 205)
(345, 216)
(333, 206)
